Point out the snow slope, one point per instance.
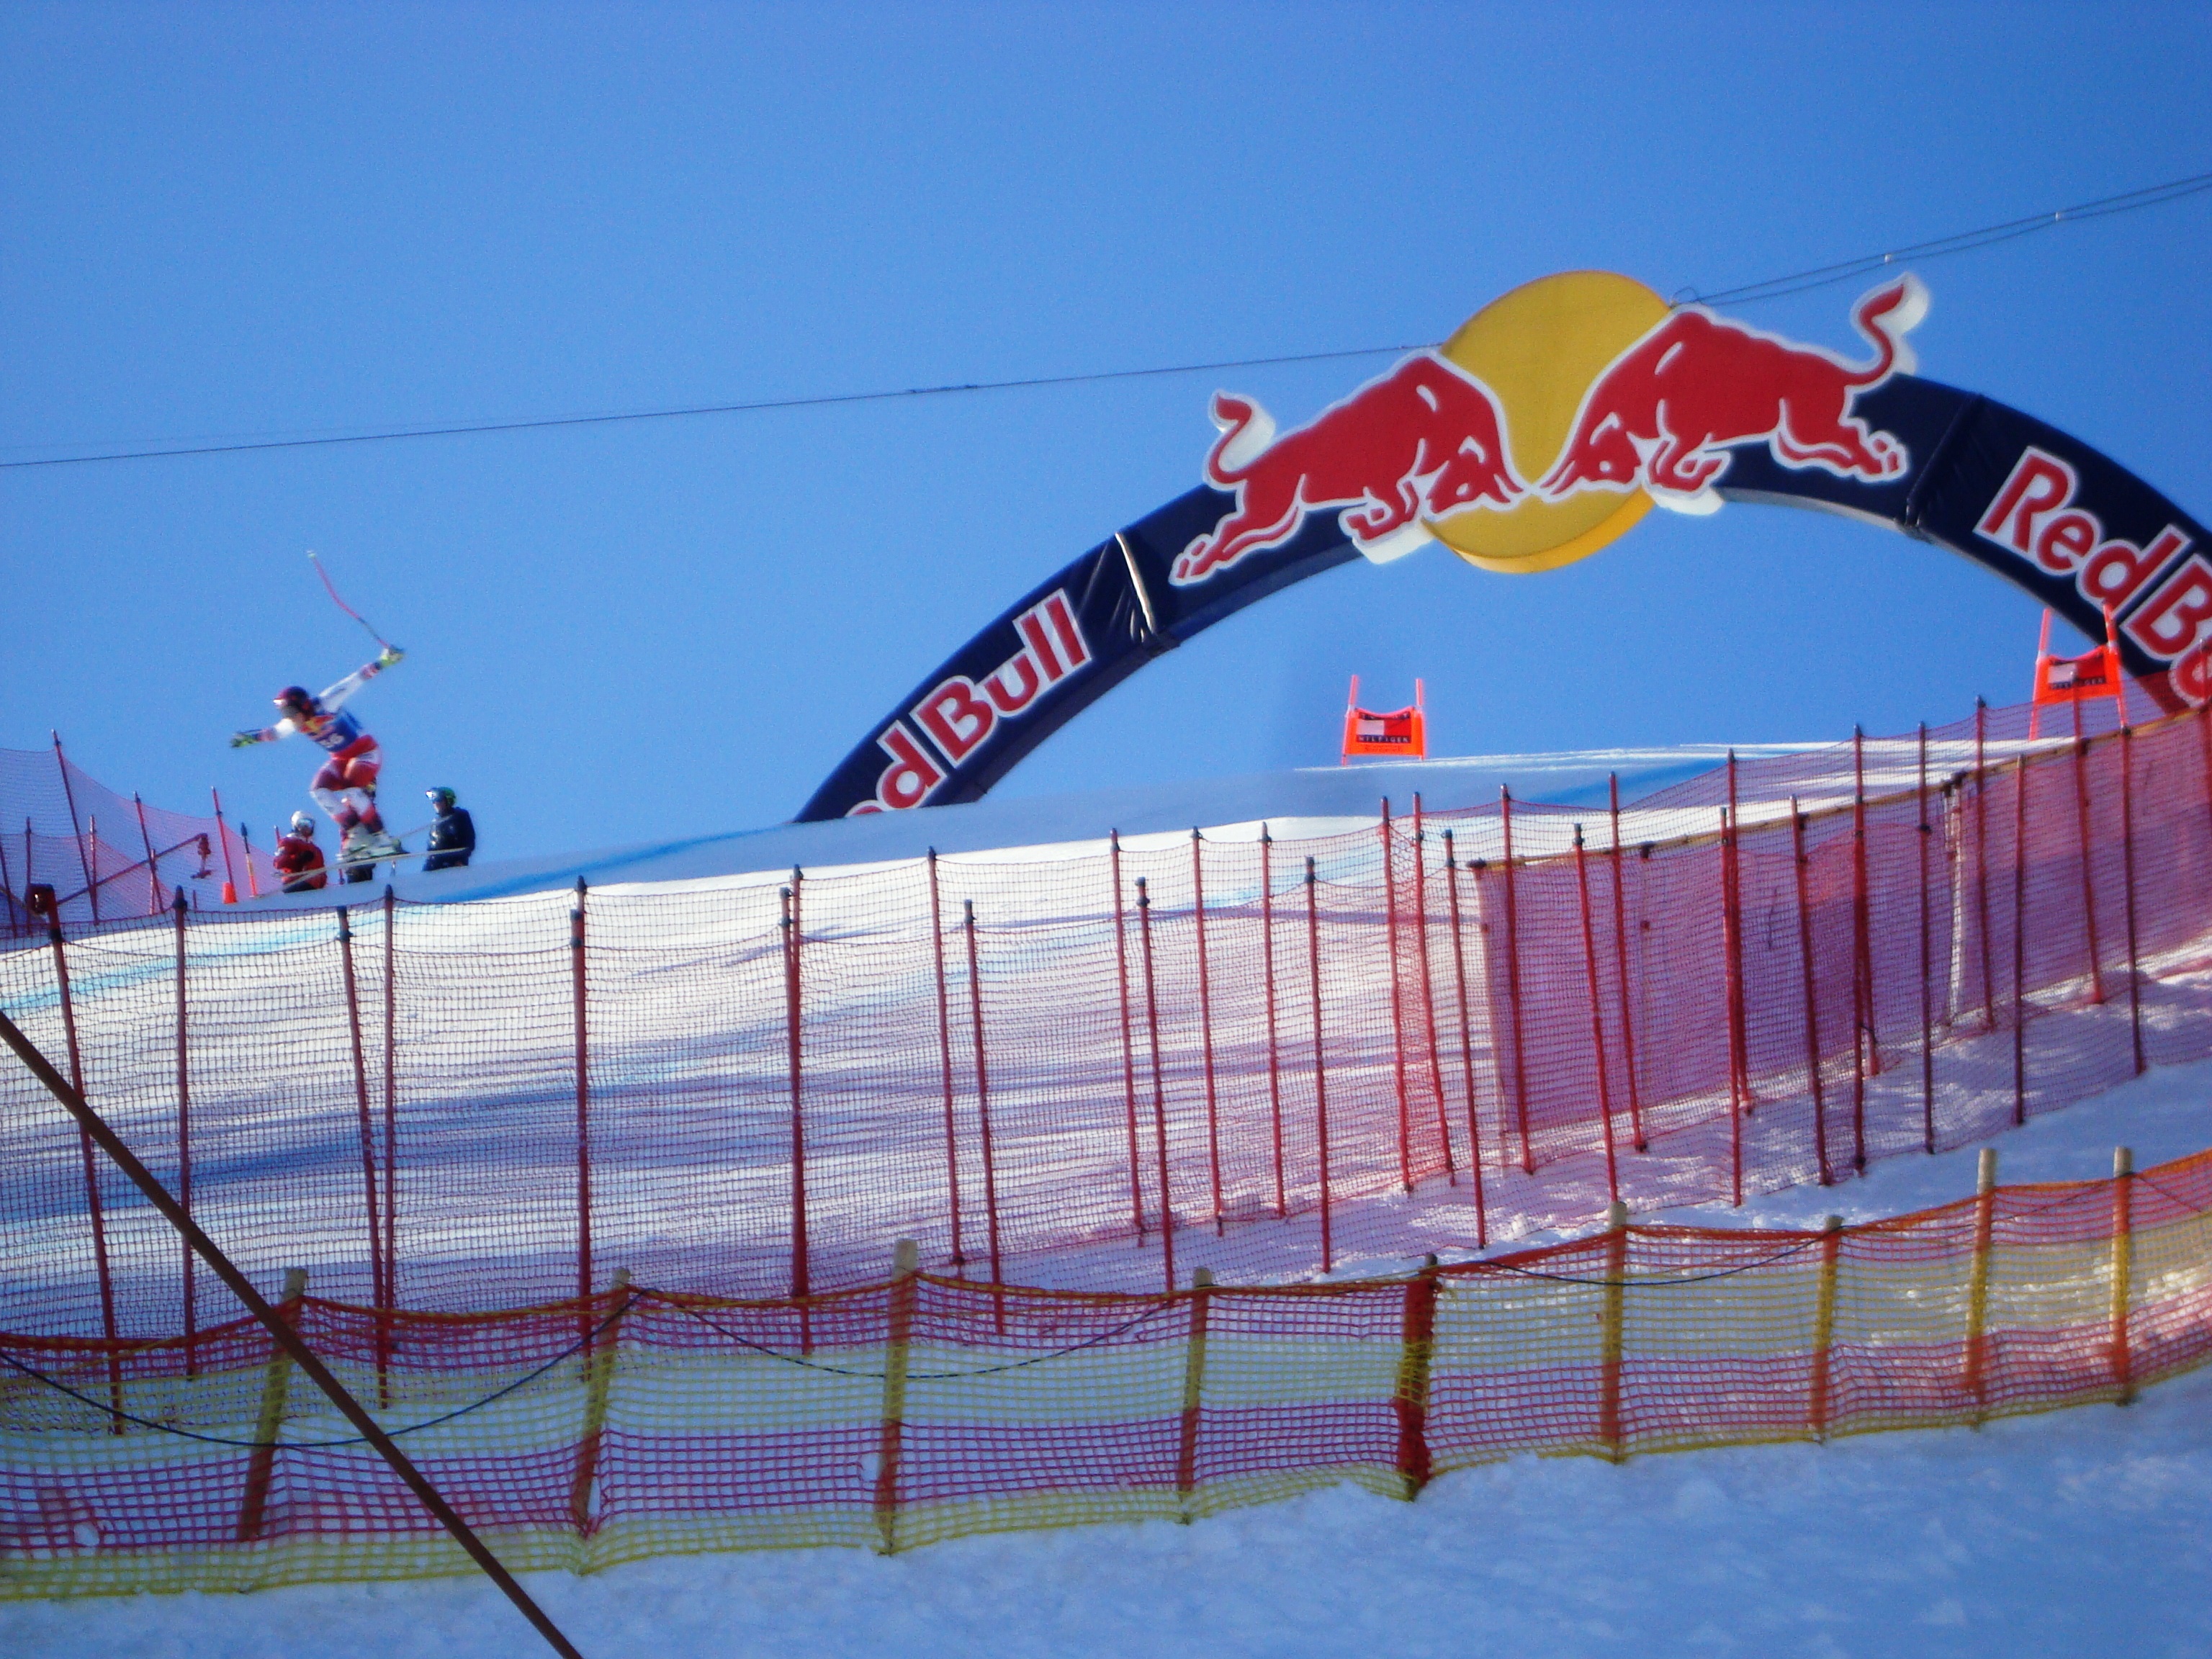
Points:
(2079, 1532)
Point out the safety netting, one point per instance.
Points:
(1069, 1076)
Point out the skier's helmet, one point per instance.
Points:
(297, 699)
(441, 798)
(303, 825)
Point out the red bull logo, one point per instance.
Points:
(1588, 383)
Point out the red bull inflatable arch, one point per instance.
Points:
(1543, 429)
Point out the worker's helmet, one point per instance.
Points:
(442, 798)
(297, 699)
(303, 825)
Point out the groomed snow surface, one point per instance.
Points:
(2081, 1531)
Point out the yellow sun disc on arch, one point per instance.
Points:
(1538, 349)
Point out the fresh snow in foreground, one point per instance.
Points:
(2086, 1531)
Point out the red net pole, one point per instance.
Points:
(2019, 940)
(1866, 1047)
(2128, 876)
(1321, 1069)
(1732, 969)
(361, 1103)
(1732, 870)
(1268, 973)
(1620, 963)
(1812, 994)
(1466, 1043)
(1597, 1021)
(1159, 1085)
(1129, 1034)
(154, 902)
(945, 1063)
(1982, 864)
(390, 1122)
(2089, 849)
(94, 1212)
(185, 1148)
(1513, 988)
(76, 828)
(788, 898)
(1206, 1020)
(578, 987)
(1429, 987)
(1927, 1023)
(1397, 1004)
(983, 1102)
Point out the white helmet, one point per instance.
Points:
(303, 825)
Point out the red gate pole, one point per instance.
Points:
(94, 1211)
(1620, 960)
(1321, 1074)
(1513, 988)
(2019, 940)
(1466, 1044)
(787, 900)
(578, 985)
(154, 902)
(1267, 972)
(1429, 986)
(983, 1103)
(185, 1148)
(1866, 1048)
(1730, 967)
(1206, 1020)
(2089, 874)
(1597, 1022)
(377, 1291)
(1982, 864)
(944, 1064)
(1159, 1085)
(76, 829)
(1397, 1010)
(1927, 1026)
(1812, 994)
(2128, 873)
(1128, 1038)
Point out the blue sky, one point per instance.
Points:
(280, 219)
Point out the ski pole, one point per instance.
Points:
(332, 589)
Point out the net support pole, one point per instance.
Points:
(1926, 832)
(1466, 1045)
(579, 1000)
(1129, 1034)
(984, 1104)
(1812, 995)
(1428, 990)
(1319, 1066)
(1201, 1300)
(1159, 1085)
(944, 1064)
(898, 1349)
(1409, 1401)
(2088, 846)
(1597, 1022)
(279, 1327)
(184, 1145)
(1620, 963)
(1731, 969)
(1397, 1001)
(1734, 870)
(2019, 940)
(276, 1385)
(601, 1350)
(95, 1211)
(2128, 880)
(1976, 1381)
(2124, 1239)
(84, 859)
(390, 1108)
(1612, 1319)
(1981, 863)
(1513, 985)
(379, 1295)
(1864, 1029)
(794, 1058)
(1817, 1414)
(1206, 1021)
(1274, 1048)
(154, 903)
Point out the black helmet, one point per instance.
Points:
(295, 696)
(442, 798)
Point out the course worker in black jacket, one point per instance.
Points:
(453, 837)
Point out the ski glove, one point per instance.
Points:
(389, 655)
(244, 739)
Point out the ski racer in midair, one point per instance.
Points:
(345, 787)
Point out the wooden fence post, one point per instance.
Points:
(2124, 1240)
(906, 1266)
(261, 1466)
(1610, 1431)
(599, 1354)
(1194, 1392)
(1410, 1399)
(1824, 1325)
(1977, 1283)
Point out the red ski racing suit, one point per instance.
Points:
(299, 861)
